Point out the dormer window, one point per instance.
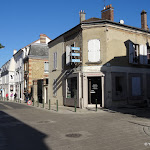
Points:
(138, 54)
(133, 53)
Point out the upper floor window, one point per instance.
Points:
(148, 54)
(138, 54)
(55, 60)
(94, 50)
(46, 67)
(11, 76)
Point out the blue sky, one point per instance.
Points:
(22, 21)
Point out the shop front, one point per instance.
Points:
(93, 89)
(85, 90)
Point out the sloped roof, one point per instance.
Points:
(92, 19)
(38, 50)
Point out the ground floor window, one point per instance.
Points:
(72, 87)
(119, 85)
(136, 86)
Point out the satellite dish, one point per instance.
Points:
(121, 22)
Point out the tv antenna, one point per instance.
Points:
(104, 3)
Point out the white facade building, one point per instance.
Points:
(19, 75)
(7, 79)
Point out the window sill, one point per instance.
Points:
(54, 70)
(98, 62)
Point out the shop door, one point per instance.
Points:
(94, 90)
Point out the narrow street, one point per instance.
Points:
(24, 127)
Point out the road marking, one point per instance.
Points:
(9, 107)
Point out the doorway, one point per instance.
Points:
(94, 90)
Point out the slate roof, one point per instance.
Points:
(92, 19)
(38, 50)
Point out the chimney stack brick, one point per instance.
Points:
(43, 38)
(108, 13)
(144, 20)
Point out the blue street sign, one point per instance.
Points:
(75, 48)
(75, 60)
(75, 54)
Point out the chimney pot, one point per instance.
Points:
(82, 16)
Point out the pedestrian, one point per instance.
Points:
(26, 96)
(15, 96)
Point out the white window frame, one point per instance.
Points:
(45, 66)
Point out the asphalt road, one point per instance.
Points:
(30, 128)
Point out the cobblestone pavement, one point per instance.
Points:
(24, 127)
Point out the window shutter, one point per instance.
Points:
(145, 61)
(131, 52)
(55, 60)
(46, 69)
(94, 50)
(68, 49)
(141, 53)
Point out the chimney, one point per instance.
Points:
(144, 20)
(43, 38)
(14, 52)
(82, 15)
(108, 13)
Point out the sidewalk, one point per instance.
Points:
(134, 111)
(60, 109)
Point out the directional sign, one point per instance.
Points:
(75, 48)
(75, 54)
(75, 60)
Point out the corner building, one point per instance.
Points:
(111, 65)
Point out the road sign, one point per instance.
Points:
(75, 48)
(75, 54)
(29, 102)
(75, 60)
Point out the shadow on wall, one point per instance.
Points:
(15, 135)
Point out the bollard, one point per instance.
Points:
(49, 105)
(57, 104)
(96, 103)
(43, 103)
(75, 105)
(20, 101)
(33, 101)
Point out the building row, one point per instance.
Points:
(27, 64)
(97, 61)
